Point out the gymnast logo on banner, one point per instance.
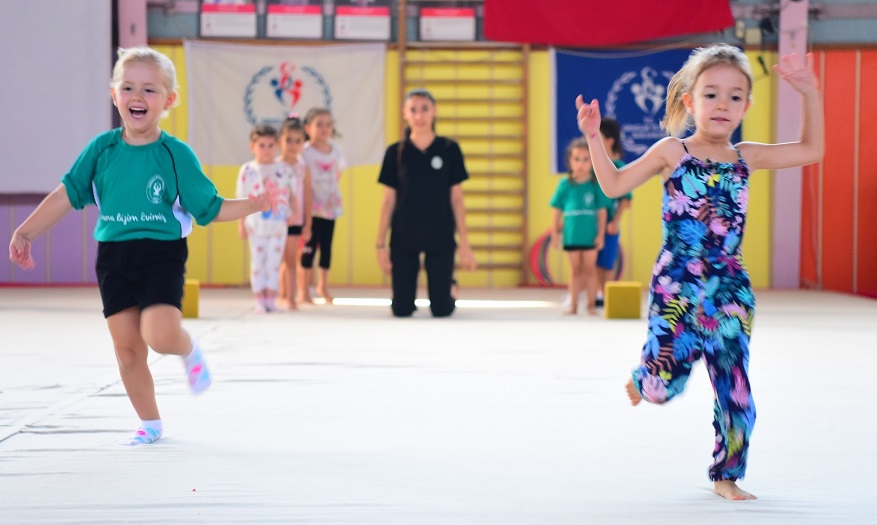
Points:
(274, 92)
(636, 98)
(233, 87)
(630, 87)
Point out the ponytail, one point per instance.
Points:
(676, 118)
(405, 137)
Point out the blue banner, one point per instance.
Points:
(630, 86)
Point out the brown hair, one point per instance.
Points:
(262, 130)
(417, 92)
(579, 143)
(316, 112)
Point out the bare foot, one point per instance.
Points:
(633, 393)
(324, 293)
(572, 310)
(290, 305)
(593, 311)
(304, 299)
(729, 490)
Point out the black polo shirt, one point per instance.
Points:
(423, 219)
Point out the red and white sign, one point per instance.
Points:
(442, 23)
(362, 23)
(294, 21)
(228, 20)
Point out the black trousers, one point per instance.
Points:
(322, 231)
(439, 275)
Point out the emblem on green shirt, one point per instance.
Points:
(155, 189)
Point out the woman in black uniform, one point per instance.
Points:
(423, 209)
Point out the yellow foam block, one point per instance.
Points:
(622, 300)
(190, 298)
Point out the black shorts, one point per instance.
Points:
(576, 248)
(141, 273)
(293, 230)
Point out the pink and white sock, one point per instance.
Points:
(196, 370)
(149, 432)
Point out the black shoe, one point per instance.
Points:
(598, 303)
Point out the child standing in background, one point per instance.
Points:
(148, 187)
(580, 220)
(266, 231)
(610, 131)
(292, 141)
(325, 162)
(702, 304)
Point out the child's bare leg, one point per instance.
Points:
(575, 279)
(573, 298)
(729, 490)
(323, 285)
(305, 276)
(283, 276)
(589, 272)
(286, 291)
(633, 393)
(161, 326)
(131, 353)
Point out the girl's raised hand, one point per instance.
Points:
(588, 117)
(797, 72)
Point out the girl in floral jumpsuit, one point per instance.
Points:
(701, 299)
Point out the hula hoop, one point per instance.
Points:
(619, 263)
(538, 259)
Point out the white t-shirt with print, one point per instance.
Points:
(251, 179)
(298, 186)
(325, 171)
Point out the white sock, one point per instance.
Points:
(149, 432)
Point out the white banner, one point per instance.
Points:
(233, 87)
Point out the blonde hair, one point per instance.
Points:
(147, 55)
(676, 118)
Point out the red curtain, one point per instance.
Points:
(597, 23)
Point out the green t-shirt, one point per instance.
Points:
(579, 203)
(151, 191)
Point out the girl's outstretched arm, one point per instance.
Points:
(613, 181)
(811, 146)
(51, 210)
(233, 209)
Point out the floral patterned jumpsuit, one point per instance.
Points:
(702, 303)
